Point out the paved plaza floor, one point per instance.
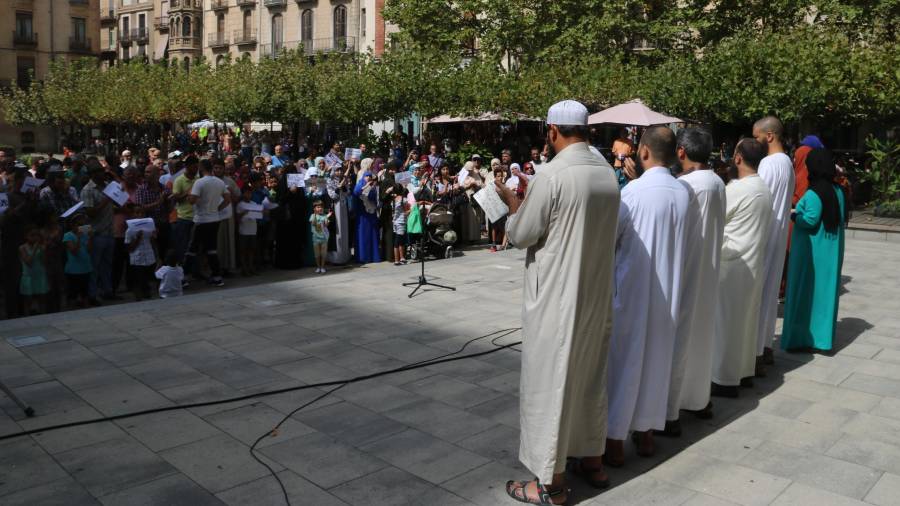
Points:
(819, 430)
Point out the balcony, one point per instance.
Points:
(24, 39)
(185, 5)
(108, 16)
(161, 23)
(77, 3)
(245, 37)
(138, 35)
(108, 52)
(245, 3)
(330, 45)
(219, 5)
(79, 45)
(217, 40)
(274, 4)
(184, 43)
(272, 50)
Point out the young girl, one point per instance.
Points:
(398, 220)
(78, 260)
(141, 254)
(498, 228)
(247, 229)
(319, 223)
(33, 286)
(170, 277)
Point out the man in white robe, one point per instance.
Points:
(777, 171)
(568, 224)
(692, 363)
(650, 259)
(748, 215)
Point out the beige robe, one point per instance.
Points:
(568, 223)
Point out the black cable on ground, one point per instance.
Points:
(437, 360)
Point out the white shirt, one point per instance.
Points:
(170, 279)
(247, 225)
(209, 190)
(143, 255)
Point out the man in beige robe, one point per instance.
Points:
(568, 224)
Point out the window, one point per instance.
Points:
(79, 29)
(126, 53)
(248, 25)
(142, 25)
(111, 38)
(340, 23)
(186, 27)
(362, 23)
(220, 60)
(220, 24)
(277, 33)
(177, 26)
(126, 24)
(142, 51)
(306, 27)
(24, 71)
(24, 25)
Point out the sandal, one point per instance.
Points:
(577, 467)
(516, 490)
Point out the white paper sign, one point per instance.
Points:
(352, 154)
(4, 203)
(402, 177)
(116, 193)
(461, 177)
(142, 224)
(268, 204)
(254, 210)
(296, 180)
(70, 211)
(31, 184)
(490, 202)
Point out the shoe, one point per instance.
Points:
(673, 429)
(760, 369)
(703, 414)
(404, 261)
(185, 283)
(396, 264)
(768, 356)
(729, 391)
(322, 271)
(112, 296)
(493, 249)
(747, 382)
(95, 302)
(217, 281)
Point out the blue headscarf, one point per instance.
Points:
(813, 142)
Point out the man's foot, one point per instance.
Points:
(533, 492)
(493, 249)
(644, 443)
(185, 283)
(95, 302)
(760, 370)
(747, 382)
(703, 414)
(112, 296)
(673, 429)
(615, 453)
(216, 281)
(589, 468)
(729, 391)
(768, 356)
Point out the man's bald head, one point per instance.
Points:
(659, 142)
(768, 130)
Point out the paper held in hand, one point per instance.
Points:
(490, 202)
(145, 225)
(402, 177)
(70, 211)
(296, 180)
(31, 184)
(352, 153)
(254, 210)
(4, 203)
(116, 193)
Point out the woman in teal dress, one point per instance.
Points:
(817, 254)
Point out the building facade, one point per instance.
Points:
(37, 32)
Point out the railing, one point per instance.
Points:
(161, 23)
(245, 36)
(80, 44)
(218, 4)
(275, 3)
(272, 50)
(108, 16)
(217, 39)
(330, 45)
(246, 3)
(24, 38)
(186, 4)
(184, 42)
(139, 35)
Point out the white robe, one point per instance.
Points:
(748, 215)
(650, 258)
(777, 171)
(692, 361)
(568, 224)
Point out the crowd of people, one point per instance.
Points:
(644, 300)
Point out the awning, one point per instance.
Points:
(633, 113)
(161, 44)
(446, 118)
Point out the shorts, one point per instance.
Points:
(399, 239)
(247, 242)
(77, 284)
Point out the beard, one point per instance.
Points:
(550, 151)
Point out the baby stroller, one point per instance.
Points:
(438, 238)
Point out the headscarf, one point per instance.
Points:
(813, 142)
(495, 164)
(319, 159)
(820, 164)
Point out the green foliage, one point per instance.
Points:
(884, 172)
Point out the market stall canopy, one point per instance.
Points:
(633, 113)
(488, 116)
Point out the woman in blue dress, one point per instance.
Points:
(367, 226)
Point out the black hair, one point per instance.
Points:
(752, 151)
(660, 140)
(399, 189)
(581, 131)
(172, 258)
(697, 143)
(206, 166)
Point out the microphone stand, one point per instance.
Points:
(423, 281)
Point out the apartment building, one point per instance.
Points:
(35, 33)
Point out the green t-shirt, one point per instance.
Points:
(184, 209)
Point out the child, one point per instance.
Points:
(33, 285)
(498, 228)
(247, 230)
(319, 223)
(398, 220)
(141, 253)
(78, 260)
(170, 277)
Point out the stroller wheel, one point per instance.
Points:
(412, 253)
(448, 253)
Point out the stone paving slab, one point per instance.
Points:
(818, 430)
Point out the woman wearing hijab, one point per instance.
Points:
(385, 173)
(338, 186)
(366, 192)
(470, 220)
(817, 255)
(291, 223)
